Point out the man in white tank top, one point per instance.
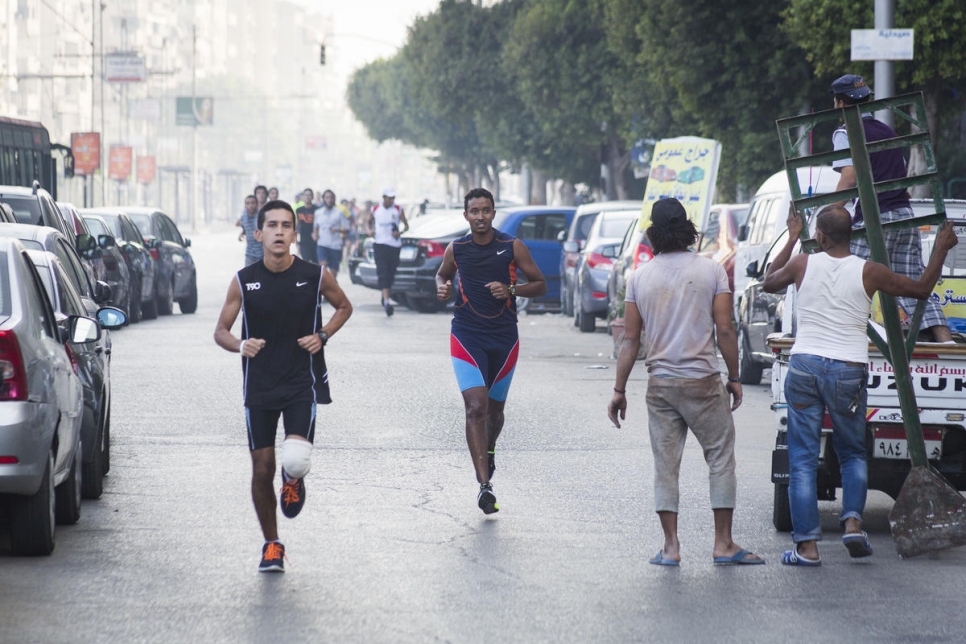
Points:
(828, 367)
(386, 242)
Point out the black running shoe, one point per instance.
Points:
(388, 306)
(292, 496)
(492, 456)
(487, 500)
(273, 557)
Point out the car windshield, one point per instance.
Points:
(615, 223)
(114, 222)
(143, 222)
(25, 209)
(32, 244)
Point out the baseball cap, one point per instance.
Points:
(664, 211)
(851, 85)
(388, 192)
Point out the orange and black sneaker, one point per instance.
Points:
(273, 557)
(292, 496)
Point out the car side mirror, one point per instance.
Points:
(743, 232)
(153, 243)
(103, 292)
(571, 247)
(752, 269)
(562, 236)
(85, 244)
(609, 251)
(187, 243)
(111, 317)
(106, 241)
(82, 330)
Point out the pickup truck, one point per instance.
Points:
(939, 379)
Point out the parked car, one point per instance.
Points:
(108, 262)
(761, 314)
(175, 279)
(93, 362)
(767, 215)
(86, 244)
(41, 405)
(140, 263)
(573, 243)
(35, 206)
(421, 254)
(719, 239)
(538, 227)
(591, 300)
(6, 214)
(634, 250)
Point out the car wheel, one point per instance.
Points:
(106, 457)
(68, 493)
(586, 321)
(781, 514)
(749, 371)
(92, 474)
(189, 304)
(164, 301)
(575, 307)
(32, 518)
(567, 302)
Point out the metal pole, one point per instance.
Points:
(885, 70)
(100, 32)
(194, 129)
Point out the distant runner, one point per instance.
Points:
(281, 343)
(484, 341)
(386, 219)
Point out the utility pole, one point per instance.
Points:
(194, 128)
(104, 158)
(885, 70)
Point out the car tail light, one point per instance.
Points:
(13, 377)
(643, 255)
(9, 460)
(599, 296)
(72, 357)
(596, 260)
(433, 248)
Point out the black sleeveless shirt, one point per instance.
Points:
(280, 308)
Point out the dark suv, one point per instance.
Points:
(175, 278)
(35, 206)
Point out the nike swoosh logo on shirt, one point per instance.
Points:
(500, 252)
(300, 283)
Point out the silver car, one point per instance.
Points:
(41, 403)
(593, 267)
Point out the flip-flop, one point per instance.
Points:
(659, 560)
(792, 558)
(740, 558)
(857, 544)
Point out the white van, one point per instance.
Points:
(768, 213)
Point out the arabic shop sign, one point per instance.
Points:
(685, 168)
(949, 294)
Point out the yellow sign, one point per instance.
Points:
(684, 168)
(949, 294)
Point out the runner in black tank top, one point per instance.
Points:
(484, 341)
(283, 364)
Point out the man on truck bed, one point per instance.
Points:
(830, 369)
(905, 246)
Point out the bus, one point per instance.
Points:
(26, 155)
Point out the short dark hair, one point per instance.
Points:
(328, 192)
(276, 204)
(478, 193)
(835, 222)
(679, 234)
(249, 197)
(848, 100)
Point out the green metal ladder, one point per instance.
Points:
(910, 107)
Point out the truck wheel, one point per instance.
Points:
(749, 371)
(68, 493)
(32, 518)
(782, 512)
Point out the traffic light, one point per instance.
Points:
(321, 54)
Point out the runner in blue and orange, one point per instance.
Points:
(484, 342)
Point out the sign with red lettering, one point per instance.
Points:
(86, 147)
(147, 169)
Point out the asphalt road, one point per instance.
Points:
(391, 546)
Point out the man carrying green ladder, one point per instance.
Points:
(904, 246)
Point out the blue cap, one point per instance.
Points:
(851, 85)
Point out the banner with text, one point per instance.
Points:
(685, 168)
(198, 110)
(120, 162)
(86, 147)
(147, 169)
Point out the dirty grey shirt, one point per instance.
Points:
(674, 293)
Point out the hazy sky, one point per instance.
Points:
(368, 29)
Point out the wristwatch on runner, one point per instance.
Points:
(513, 290)
(324, 337)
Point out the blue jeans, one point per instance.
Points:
(812, 385)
